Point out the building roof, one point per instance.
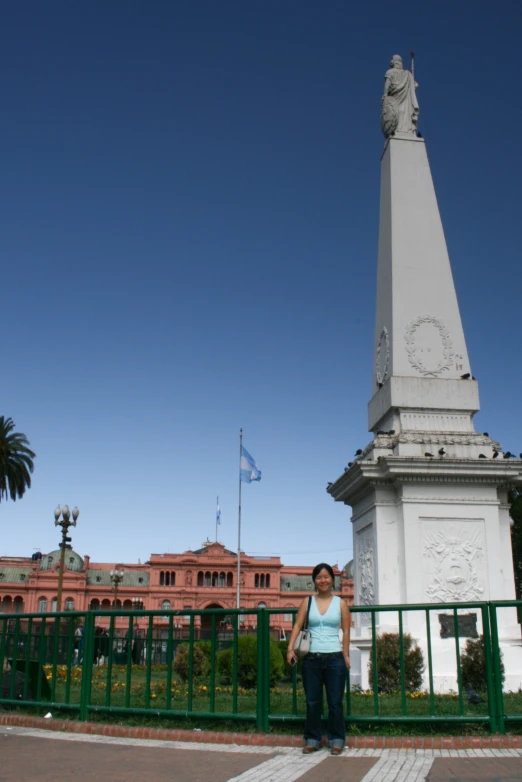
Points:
(11, 575)
(291, 583)
(349, 569)
(130, 578)
(73, 561)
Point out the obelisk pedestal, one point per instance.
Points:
(429, 494)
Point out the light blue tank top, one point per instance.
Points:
(325, 629)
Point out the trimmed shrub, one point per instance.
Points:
(200, 666)
(247, 662)
(389, 666)
(473, 665)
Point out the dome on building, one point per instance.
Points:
(73, 561)
(349, 569)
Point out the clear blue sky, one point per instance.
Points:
(189, 209)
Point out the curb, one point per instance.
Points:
(259, 739)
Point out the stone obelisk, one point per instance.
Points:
(429, 494)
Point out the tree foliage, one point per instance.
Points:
(516, 540)
(16, 461)
(200, 663)
(247, 662)
(473, 664)
(389, 665)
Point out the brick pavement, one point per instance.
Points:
(28, 755)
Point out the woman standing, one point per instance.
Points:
(327, 661)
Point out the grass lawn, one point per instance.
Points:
(135, 694)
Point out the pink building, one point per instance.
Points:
(205, 578)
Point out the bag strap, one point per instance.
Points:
(305, 626)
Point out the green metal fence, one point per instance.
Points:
(64, 662)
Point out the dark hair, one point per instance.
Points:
(323, 566)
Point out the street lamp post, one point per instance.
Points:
(116, 578)
(137, 604)
(65, 523)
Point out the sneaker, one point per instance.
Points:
(309, 749)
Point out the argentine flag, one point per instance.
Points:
(218, 512)
(248, 469)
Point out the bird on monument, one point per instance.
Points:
(392, 431)
(358, 452)
(509, 455)
(441, 451)
(419, 134)
(485, 434)
(495, 454)
(473, 377)
(481, 456)
(473, 696)
(466, 376)
(350, 464)
(329, 484)
(520, 455)
(379, 431)
(429, 455)
(380, 385)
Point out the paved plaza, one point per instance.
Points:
(28, 754)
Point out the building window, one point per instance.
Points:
(18, 605)
(54, 603)
(106, 604)
(214, 579)
(229, 579)
(262, 605)
(95, 604)
(221, 579)
(256, 580)
(262, 580)
(167, 579)
(69, 604)
(267, 581)
(140, 580)
(22, 576)
(172, 579)
(162, 578)
(71, 560)
(42, 605)
(98, 579)
(166, 605)
(207, 579)
(200, 578)
(2, 576)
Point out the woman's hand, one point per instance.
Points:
(291, 656)
(347, 660)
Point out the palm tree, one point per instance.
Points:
(16, 461)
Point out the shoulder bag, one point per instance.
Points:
(303, 640)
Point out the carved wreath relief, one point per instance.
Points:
(456, 557)
(366, 588)
(382, 356)
(429, 345)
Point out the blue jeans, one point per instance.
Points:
(328, 670)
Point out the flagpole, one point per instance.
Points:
(238, 578)
(217, 506)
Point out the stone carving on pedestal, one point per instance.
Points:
(456, 557)
(382, 357)
(365, 569)
(399, 106)
(429, 345)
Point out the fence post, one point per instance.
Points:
(88, 650)
(490, 681)
(495, 649)
(260, 696)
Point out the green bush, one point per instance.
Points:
(473, 665)
(389, 667)
(200, 665)
(247, 662)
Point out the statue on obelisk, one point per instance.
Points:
(399, 106)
